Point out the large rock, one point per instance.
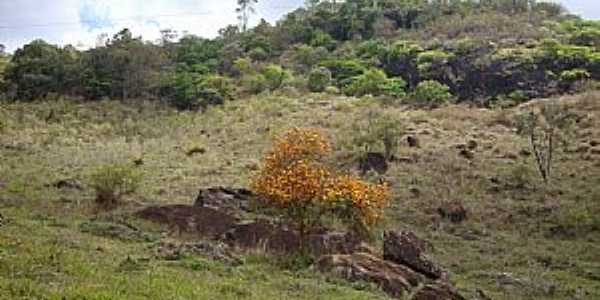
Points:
(184, 219)
(283, 240)
(406, 248)
(223, 198)
(394, 279)
(439, 290)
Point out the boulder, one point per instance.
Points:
(228, 199)
(439, 290)
(283, 240)
(394, 279)
(204, 222)
(406, 248)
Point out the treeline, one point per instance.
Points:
(484, 51)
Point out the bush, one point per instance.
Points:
(431, 93)
(191, 91)
(255, 83)
(112, 181)
(342, 71)
(295, 179)
(375, 82)
(319, 79)
(274, 76)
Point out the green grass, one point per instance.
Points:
(47, 250)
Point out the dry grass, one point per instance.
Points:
(514, 222)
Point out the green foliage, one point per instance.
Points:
(319, 79)
(342, 71)
(431, 93)
(112, 181)
(274, 76)
(322, 39)
(192, 91)
(375, 82)
(254, 83)
(574, 75)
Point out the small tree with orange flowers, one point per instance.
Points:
(295, 178)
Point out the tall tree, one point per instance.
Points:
(244, 10)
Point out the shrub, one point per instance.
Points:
(254, 83)
(342, 71)
(394, 87)
(431, 93)
(112, 181)
(319, 79)
(258, 54)
(375, 82)
(371, 82)
(544, 129)
(379, 130)
(274, 76)
(192, 91)
(295, 179)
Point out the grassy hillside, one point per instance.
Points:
(521, 239)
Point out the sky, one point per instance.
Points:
(80, 22)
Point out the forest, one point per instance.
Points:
(484, 52)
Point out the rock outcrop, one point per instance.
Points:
(406, 248)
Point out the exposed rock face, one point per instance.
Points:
(393, 278)
(228, 199)
(407, 249)
(199, 221)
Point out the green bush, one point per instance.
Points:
(394, 87)
(186, 90)
(274, 76)
(112, 181)
(342, 71)
(319, 79)
(254, 83)
(375, 82)
(431, 93)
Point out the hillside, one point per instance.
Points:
(359, 149)
(55, 243)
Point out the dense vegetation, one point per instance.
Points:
(480, 51)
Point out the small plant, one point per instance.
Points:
(432, 93)
(319, 79)
(379, 130)
(295, 179)
(112, 181)
(544, 129)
